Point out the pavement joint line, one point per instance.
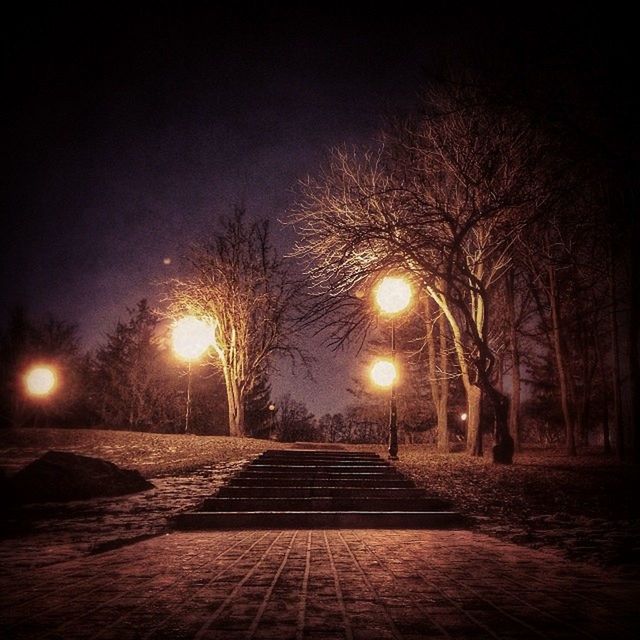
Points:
(504, 611)
(166, 619)
(371, 587)
(269, 593)
(460, 606)
(513, 617)
(205, 627)
(303, 592)
(46, 594)
(413, 598)
(545, 586)
(465, 613)
(54, 590)
(549, 594)
(336, 581)
(49, 610)
(171, 585)
(103, 604)
(526, 604)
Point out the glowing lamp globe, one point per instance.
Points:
(393, 294)
(383, 373)
(191, 337)
(40, 381)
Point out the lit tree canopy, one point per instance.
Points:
(444, 198)
(239, 284)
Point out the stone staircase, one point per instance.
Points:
(300, 488)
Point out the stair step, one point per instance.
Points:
(322, 464)
(319, 475)
(323, 504)
(313, 455)
(319, 519)
(311, 491)
(276, 483)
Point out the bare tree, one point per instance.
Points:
(294, 422)
(246, 291)
(442, 198)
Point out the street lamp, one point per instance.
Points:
(392, 295)
(272, 418)
(40, 381)
(383, 373)
(191, 337)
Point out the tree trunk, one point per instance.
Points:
(471, 391)
(500, 372)
(443, 405)
(634, 343)
(514, 406)
(570, 436)
(618, 423)
(606, 436)
(474, 415)
(437, 381)
(235, 402)
(504, 445)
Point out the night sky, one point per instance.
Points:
(129, 132)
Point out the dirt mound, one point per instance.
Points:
(60, 476)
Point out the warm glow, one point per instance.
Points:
(40, 381)
(383, 373)
(191, 338)
(463, 416)
(393, 294)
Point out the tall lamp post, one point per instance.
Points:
(392, 295)
(272, 418)
(191, 338)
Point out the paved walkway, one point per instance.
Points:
(317, 584)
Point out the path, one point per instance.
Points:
(318, 584)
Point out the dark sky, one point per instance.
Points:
(130, 131)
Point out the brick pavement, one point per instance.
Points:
(368, 584)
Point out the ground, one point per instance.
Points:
(585, 507)
(112, 568)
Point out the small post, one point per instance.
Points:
(393, 412)
(188, 410)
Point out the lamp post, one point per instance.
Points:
(191, 337)
(393, 295)
(272, 418)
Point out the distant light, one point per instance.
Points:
(272, 407)
(191, 337)
(166, 261)
(40, 381)
(393, 294)
(463, 416)
(383, 373)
